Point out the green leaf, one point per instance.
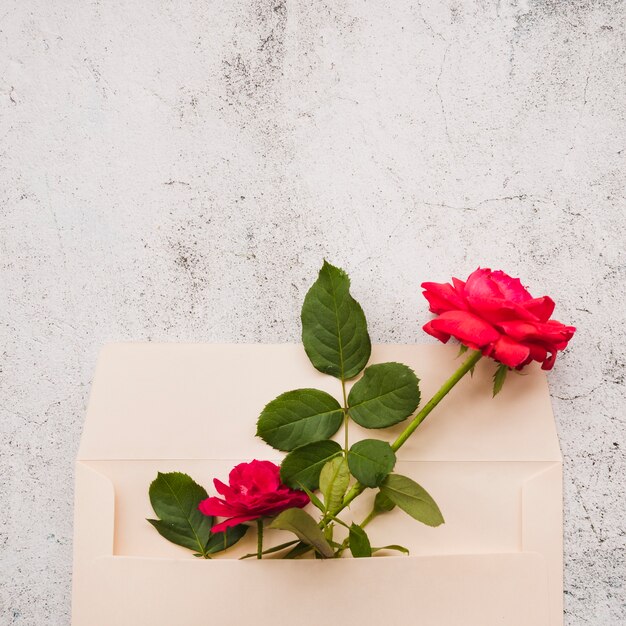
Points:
(221, 541)
(299, 417)
(359, 542)
(303, 465)
(334, 329)
(462, 350)
(386, 395)
(498, 378)
(315, 501)
(282, 546)
(412, 499)
(394, 546)
(298, 550)
(370, 461)
(175, 498)
(334, 481)
(305, 528)
(382, 504)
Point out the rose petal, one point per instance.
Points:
(511, 288)
(428, 327)
(542, 308)
(479, 285)
(537, 331)
(443, 297)
(216, 507)
(459, 286)
(548, 364)
(265, 475)
(465, 326)
(509, 352)
(221, 488)
(233, 521)
(537, 353)
(496, 310)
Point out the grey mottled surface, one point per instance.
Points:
(176, 171)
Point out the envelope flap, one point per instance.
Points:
(201, 401)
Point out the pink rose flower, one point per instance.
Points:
(494, 313)
(254, 491)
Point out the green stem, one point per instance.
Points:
(345, 415)
(259, 543)
(357, 490)
(466, 366)
(372, 514)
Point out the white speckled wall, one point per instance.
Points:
(177, 170)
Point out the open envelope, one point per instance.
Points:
(492, 464)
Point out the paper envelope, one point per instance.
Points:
(492, 464)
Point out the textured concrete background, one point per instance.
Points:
(177, 170)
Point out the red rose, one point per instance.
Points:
(493, 313)
(254, 491)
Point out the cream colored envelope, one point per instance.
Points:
(493, 466)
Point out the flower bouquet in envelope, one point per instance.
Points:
(346, 503)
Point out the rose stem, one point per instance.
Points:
(466, 366)
(469, 363)
(259, 549)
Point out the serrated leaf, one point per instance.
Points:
(386, 395)
(174, 533)
(498, 378)
(299, 417)
(412, 499)
(334, 329)
(334, 481)
(370, 461)
(221, 541)
(175, 497)
(359, 542)
(305, 528)
(303, 465)
(382, 504)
